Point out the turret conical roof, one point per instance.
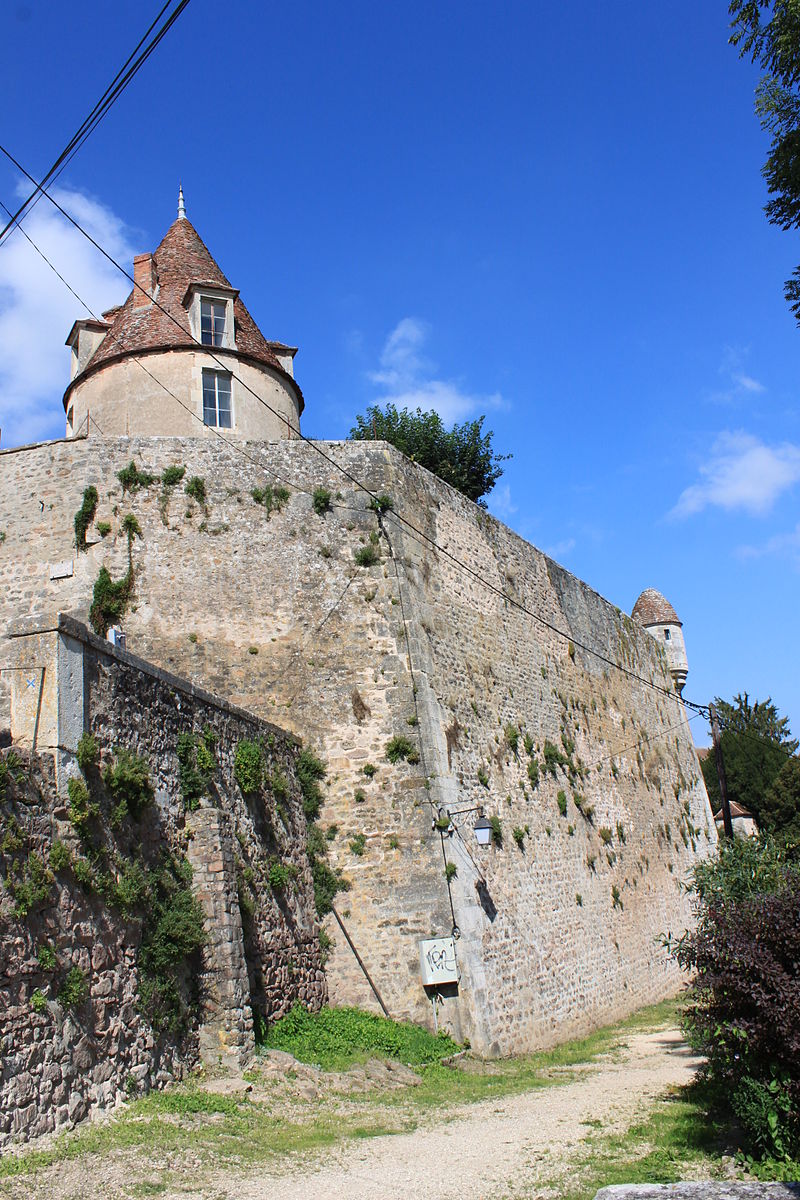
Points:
(654, 609)
(141, 326)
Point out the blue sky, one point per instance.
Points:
(548, 214)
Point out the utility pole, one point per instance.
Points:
(723, 783)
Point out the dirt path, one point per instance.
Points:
(493, 1148)
(511, 1146)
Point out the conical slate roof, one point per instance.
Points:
(182, 259)
(654, 609)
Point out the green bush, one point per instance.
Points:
(127, 778)
(81, 807)
(512, 738)
(399, 747)
(85, 515)
(366, 556)
(172, 476)
(60, 857)
(88, 752)
(248, 766)
(370, 770)
(327, 882)
(272, 498)
(74, 989)
(278, 876)
(358, 844)
(553, 758)
(132, 478)
(279, 785)
(196, 489)
(483, 777)
(381, 504)
(533, 771)
(337, 1037)
(33, 888)
(194, 769)
(110, 600)
(172, 938)
(519, 834)
(562, 803)
(450, 871)
(321, 501)
(497, 830)
(103, 528)
(605, 835)
(129, 890)
(39, 1002)
(310, 770)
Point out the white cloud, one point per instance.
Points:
(738, 384)
(559, 549)
(500, 503)
(748, 384)
(408, 377)
(37, 310)
(741, 473)
(781, 545)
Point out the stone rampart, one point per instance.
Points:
(73, 882)
(459, 635)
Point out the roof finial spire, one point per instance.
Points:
(181, 205)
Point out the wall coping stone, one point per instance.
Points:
(63, 623)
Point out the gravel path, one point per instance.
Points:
(502, 1148)
(494, 1148)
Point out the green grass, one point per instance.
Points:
(335, 1038)
(218, 1130)
(677, 1137)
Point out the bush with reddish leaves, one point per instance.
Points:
(744, 1013)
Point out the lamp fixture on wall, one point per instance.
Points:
(482, 827)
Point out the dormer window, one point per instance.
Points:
(212, 322)
(210, 310)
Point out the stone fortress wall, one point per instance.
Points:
(559, 927)
(59, 1060)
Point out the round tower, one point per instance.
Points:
(655, 613)
(182, 357)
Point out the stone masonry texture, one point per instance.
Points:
(561, 926)
(60, 1062)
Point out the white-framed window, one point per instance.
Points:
(211, 318)
(213, 315)
(217, 399)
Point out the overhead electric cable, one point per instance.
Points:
(134, 62)
(416, 532)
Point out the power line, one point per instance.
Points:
(419, 534)
(133, 63)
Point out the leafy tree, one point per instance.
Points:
(756, 742)
(461, 456)
(768, 32)
(745, 990)
(780, 810)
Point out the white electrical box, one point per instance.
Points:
(437, 961)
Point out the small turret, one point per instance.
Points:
(655, 613)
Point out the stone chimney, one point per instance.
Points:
(144, 280)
